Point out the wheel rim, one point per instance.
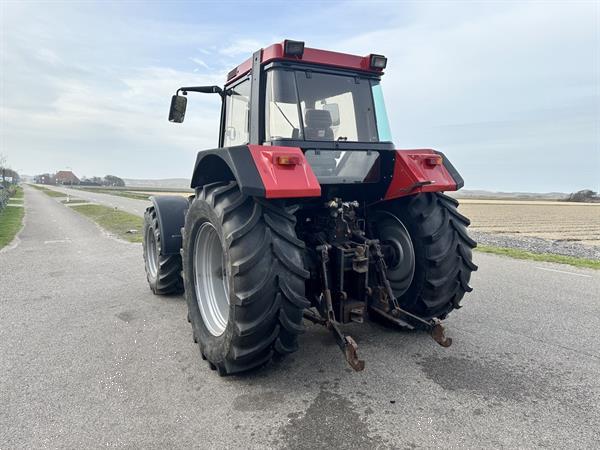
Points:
(211, 279)
(151, 252)
(401, 269)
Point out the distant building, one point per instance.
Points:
(66, 177)
(45, 178)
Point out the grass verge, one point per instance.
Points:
(74, 201)
(119, 193)
(11, 220)
(544, 257)
(134, 195)
(18, 195)
(114, 221)
(48, 192)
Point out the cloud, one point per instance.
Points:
(516, 84)
(241, 47)
(60, 107)
(200, 63)
(48, 56)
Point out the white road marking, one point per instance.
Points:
(562, 271)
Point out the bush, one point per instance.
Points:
(585, 195)
(111, 180)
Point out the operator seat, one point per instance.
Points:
(318, 128)
(317, 125)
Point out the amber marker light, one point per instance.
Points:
(287, 160)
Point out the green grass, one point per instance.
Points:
(114, 221)
(51, 193)
(74, 201)
(48, 192)
(136, 189)
(39, 188)
(544, 257)
(18, 194)
(118, 192)
(134, 195)
(11, 220)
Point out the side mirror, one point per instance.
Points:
(177, 111)
(334, 111)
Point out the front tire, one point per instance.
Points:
(245, 290)
(162, 272)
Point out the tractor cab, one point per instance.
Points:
(328, 104)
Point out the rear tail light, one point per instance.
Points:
(287, 160)
(433, 161)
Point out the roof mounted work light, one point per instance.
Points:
(378, 62)
(293, 48)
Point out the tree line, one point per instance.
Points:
(69, 178)
(585, 195)
(108, 180)
(7, 175)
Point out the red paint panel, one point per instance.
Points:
(310, 55)
(241, 70)
(412, 167)
(316, 56)
(284, 181)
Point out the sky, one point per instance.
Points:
(509, 91)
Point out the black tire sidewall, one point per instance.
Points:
(215, 348)
(149, 224)
(410, 299)
(404, 211)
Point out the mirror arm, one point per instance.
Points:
(179, 102)
(201, 89)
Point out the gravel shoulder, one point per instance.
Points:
(537, 245)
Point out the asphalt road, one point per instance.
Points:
(126, 204)
(90, 358)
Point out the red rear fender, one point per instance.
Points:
(423, 170)
(284, 171)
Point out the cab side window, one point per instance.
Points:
(237, 112)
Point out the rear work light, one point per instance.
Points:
(293, 48)
(378, 62)
(286, 160)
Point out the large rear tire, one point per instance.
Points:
(162, 272)
(443, 260)
(244, 278)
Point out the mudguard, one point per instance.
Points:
(422, 170)
(257, 170)
(258, 173)
(170, 210)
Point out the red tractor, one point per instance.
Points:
(307, 210)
